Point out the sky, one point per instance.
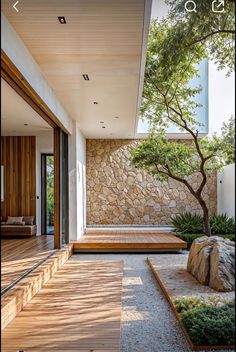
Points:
(221, 92)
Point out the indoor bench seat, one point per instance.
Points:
(18, 230)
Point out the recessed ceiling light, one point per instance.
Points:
(103, 127)
(26, 124)
(85, 76)
(116, 117)
(62, 20)
(101, 121)
(95, 103)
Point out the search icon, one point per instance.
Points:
(190, 6)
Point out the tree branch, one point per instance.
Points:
(229, 31)
(179, 179)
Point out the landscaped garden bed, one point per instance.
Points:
(190, 226)
(207, 323)
(206, 317)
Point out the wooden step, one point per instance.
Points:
(79, 309)
(15, 299)
(116, 240)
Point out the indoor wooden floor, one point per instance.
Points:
(79, 309)
(128, 239)
(19, 255)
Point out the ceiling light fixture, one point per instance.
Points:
(95, 103)
(103, 126)
(101, 121)
(116, 117)
(26, 124)
(85, 77)
(62, 20)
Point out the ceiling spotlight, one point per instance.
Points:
(85, 77)
(95, 103)
(62, 20)
(116, 117)
(26, 124)
(103, 127)
(101, 121)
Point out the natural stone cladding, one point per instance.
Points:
(118, 194)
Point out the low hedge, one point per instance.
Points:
(207, 323)
(190, 237)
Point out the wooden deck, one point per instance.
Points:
(18, 296)
(21, 254)
(128, 240)
(79, 309)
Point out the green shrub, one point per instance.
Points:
(188, 222)
(230, 236)
(190, 237)
(184, 304)
(191, 223)
(209, 325)
(222, 224)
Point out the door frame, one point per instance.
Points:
(44, 192)
(11, 74)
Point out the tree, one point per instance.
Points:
(169, 99)
(228, 133)
(214, 31)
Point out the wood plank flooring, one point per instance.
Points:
(128, 240)
(79, 309)
(19, 255)
(17, 297)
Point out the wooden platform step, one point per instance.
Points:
(130, 241)
(21, 254)
(125, 230)
(15, 299)
(79, 309)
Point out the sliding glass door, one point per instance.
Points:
(47, 186)
(55, 191)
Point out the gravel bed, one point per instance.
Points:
(148, 323)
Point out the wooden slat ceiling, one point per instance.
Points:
(102, 38)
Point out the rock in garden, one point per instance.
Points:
(222, 275)
(199, 260)
(212, 262)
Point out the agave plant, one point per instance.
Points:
(222, 224)
(188, 223)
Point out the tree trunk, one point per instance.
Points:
(206, 218)
(206, 222)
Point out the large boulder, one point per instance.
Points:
(199, 260)
(222, 274)
(212, 262)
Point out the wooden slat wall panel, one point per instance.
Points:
(18, 155)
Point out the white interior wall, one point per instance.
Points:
(77, 183)
(44, 145)
(226, 191)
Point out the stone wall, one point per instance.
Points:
(120, 194)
